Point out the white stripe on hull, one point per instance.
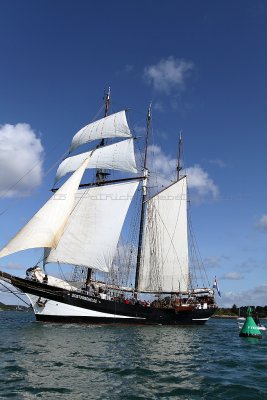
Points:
(55, 308)
(200, 319)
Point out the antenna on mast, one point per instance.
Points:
(107, 101)
(179, 156)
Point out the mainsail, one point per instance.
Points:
(111, 126)
(92, 233)
(46, 227)
(117, 156)
(164, 266)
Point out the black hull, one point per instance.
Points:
(53, 304)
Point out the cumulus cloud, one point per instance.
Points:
(169, 74)
(233, 276)
(256, 296)
(218, 163)
(250, 264)
(158, 106)
(212, 262)
(163, 165)
(21, 157)
(129, 68)
(262, 223)
(14, 266)
(139, 130)
(201, 185)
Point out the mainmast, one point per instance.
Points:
(144, 194)
(179, 156)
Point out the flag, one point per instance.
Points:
(215, 286)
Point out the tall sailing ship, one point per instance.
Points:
(81, 226)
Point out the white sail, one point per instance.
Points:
(114, 125)
(46, 227)
(118, 156)
(164, 265)
(91, 236)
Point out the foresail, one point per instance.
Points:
(92, 234)
(118, 156)
(164, 266)
(47, 225)
(114, 125)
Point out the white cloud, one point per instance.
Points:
(169, 74)
(163, 165)
(217, 162)
(139, 130)
(250, 264)
(233, 276)
(215, 261)
(21, 157)
(201, 185)
(129, 68)
(212, 262)
(256, 297)
(262, 223)
(14, 266)
(158, 106)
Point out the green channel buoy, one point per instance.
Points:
(250, 328)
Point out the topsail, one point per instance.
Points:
(112, 126)
(117, 156)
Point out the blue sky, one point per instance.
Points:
(203, 64)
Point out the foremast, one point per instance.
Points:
(100, 173)
(143, 206)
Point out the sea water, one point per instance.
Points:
(52, 361)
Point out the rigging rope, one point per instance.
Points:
(195, 249)
(14, 293)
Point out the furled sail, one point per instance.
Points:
(114, 125)
(92, 233)
(47, 225)
(118, 156)
(164, 266)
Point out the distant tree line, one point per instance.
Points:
(6, 307)
(242, 311)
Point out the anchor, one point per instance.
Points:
(41, 303)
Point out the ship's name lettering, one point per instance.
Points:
(78, 296)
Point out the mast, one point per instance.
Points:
(144, 194)
(179, 156)
(101, 174)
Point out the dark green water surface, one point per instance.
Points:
(50, 361)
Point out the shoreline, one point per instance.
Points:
(232, 317)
